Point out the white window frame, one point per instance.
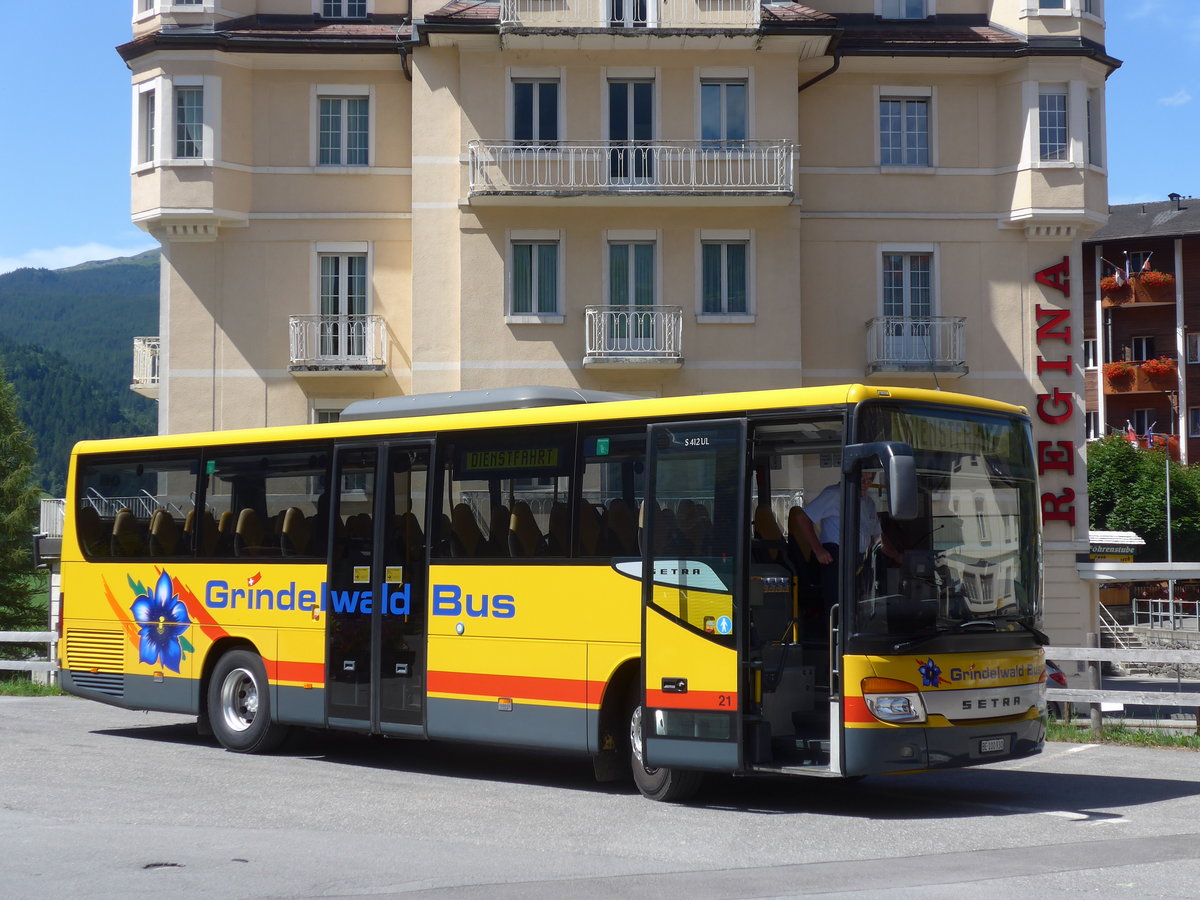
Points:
(1193, 421)
(535, 236)
(1055, 90)
(1096, 150)
(1148, 421)
(908, 92)
(880, 11)
(1072, 8)
(726, 236)
(1142, 341)
(340, 248)
(145, 9)
(1091, 349)
(724, 75)
(1192, 340)
(319, 5)
(144, 93)
(1091, 425)
(537, 73)
(340, 92)
(164, 87)
(935, 286)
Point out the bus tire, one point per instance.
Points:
(239, 704)
(658, 782)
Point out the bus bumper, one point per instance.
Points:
(878, 751)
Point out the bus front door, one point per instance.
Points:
(375, 598)
(693, 588)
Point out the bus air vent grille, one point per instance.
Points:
(101, 683)
(95, 651)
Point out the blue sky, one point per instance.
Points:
(66, 195)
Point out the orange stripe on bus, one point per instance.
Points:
(719, 700)
(285, 670)
(526, 687)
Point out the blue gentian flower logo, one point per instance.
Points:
(930, 673)
(162, 619)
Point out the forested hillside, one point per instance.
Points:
(66, 344)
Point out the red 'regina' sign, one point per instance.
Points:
(1056, 407)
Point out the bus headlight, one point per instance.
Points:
(890, 700)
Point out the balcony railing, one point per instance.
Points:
(607, 14)
(575, 167)
(145, 366)
(633, 335)
(338, 343)
(917, 344)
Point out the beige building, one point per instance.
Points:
(358, 199)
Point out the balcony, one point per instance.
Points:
(917, 345)
(1136, 380)
(332, 345)
(145, 366)
(543, 15)
(633, 337)
(631, 173)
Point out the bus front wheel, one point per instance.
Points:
(239, 705)
(658, 782)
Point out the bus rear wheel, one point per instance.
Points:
(658, 782)
(239, 705)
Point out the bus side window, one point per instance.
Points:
(610, 493)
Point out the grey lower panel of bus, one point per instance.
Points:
(299, 706)
(175, 695)
(716, 756)
(549, 727)
(878, 751)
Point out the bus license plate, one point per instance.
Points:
(993, 745)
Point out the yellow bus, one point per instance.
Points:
(653, 582)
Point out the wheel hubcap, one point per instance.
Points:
(239, 700)
(635, 740)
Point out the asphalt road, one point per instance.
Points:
(102, 802)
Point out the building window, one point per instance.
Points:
(1052, 4)
(189, 122)
(1089, 353)
(1094, 122)
(147, 123)
(1142, 347)
(904, 131)
(344, 9)
(1139, 259)
(1194, 421)
(1193, 347)
(344, 125)
(631, 273)
(1052, 122)
(908, 285)
(1092, 425)
(534, 278)
(1143, 421)
(902, 9)
(535, 110)
(724, 277)
(723, 111)
(343, 304)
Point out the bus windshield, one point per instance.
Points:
(969, 562)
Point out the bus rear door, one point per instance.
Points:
(375, 626)
(693, 589)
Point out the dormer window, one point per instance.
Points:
(343, 9)
(903, 9)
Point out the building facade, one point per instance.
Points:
(1141, 341)
(363, 198)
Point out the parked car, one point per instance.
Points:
(1055, 678)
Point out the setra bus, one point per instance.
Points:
(632, 579)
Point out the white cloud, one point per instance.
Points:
(1179, 98)
(62, 257)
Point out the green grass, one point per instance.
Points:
(1123, 734)
(20, 686)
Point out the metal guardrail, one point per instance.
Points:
(29, 665)
(916, 342)
(1096, 696)
(631, 333)
(338, 341)
(145, 361)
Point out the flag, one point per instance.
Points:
(1146, 263)
(1119, 274)
(1130, 434)
(1149, 439)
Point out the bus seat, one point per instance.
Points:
(440, 536)
(126, 534)
(590, 527)
(295, 533)
(558, 530)
(796, 539)
(695, 526)
(224, 545)
(498, 531)
(359, 528)
(524, 535)
(621, 529)
(768, 545)
(90, 528)
(164, 534)
(466, 537)
(249, 537)
(668, 538)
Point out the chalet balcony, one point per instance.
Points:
(332, 345)
(541, 15)
(917, 345)
(633, 337)
(145, 366)
(631, 173)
